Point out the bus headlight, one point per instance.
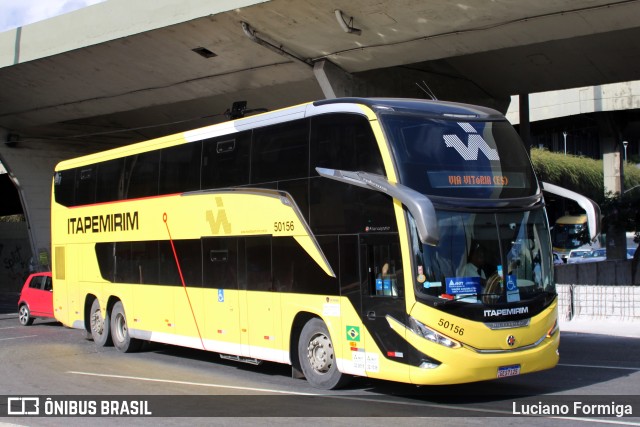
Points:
(553, 329)
(426, 332)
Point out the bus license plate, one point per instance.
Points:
(508, 371)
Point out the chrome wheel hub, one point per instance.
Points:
(320, 353)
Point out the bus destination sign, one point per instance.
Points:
(484, 179)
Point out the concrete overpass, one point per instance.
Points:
(120, 71)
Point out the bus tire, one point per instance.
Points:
(120, 331)
(99, 325)
(24, 315)
(317, 356)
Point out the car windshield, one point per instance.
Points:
(485, 258)
(596, 253)
(578, 254)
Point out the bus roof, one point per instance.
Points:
(572, 219)
(438, 108)
(443, 109)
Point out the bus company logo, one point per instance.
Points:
(368, 229)
(475, 143)
(124, 221)
(23, 406)
(218, 220)
(506, 311)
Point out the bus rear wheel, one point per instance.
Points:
(120, 332)
(317, 357)
(99, 325)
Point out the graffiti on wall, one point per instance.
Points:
(15, 266)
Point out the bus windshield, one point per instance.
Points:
(569, 236)
(486, 258)
(458, 157)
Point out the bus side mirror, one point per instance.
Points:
(591, 207)
(418, 204)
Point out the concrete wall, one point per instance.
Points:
(15, 253)
(582, 100)
(103, 22)
(598, 302)
(31, 165)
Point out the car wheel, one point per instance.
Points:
(317, 357)
(99, 325)
(24, 315)
(120, 332)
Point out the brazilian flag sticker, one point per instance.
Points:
(353, 333)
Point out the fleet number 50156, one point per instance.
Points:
(452, 327)
(283, 226)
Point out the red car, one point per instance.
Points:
(36, 298)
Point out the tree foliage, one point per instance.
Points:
(581, 174)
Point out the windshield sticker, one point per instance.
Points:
(421, 278)
(513, 293)
(462, 285)
(428, 285)
(383, 286)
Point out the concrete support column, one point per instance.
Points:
(333, 80)
(612, 171)
(31, 164)
(525, 123)
(611, 164)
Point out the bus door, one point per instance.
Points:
(382, 295)
(221, 295)
(262, 325)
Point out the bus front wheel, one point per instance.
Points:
(120, 332)
(99, 325)
(317, 356)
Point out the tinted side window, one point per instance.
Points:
(168, 271)
(64, 187)
(141, 178)
(280, 152)
(105, 253)
(258, 258)
(299, 190)
(48, 283)
(86, 185)
(36, 282)
(340, 208)
(225, 160)
(124, 271)
(349, 270)
(190, 256)
(110, 180)
(295, 271)
(180, 168)
(346, 142)
(220, 259)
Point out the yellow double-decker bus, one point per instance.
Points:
(400, 239)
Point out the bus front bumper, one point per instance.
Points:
(464, 365)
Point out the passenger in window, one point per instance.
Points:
(475, 263)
